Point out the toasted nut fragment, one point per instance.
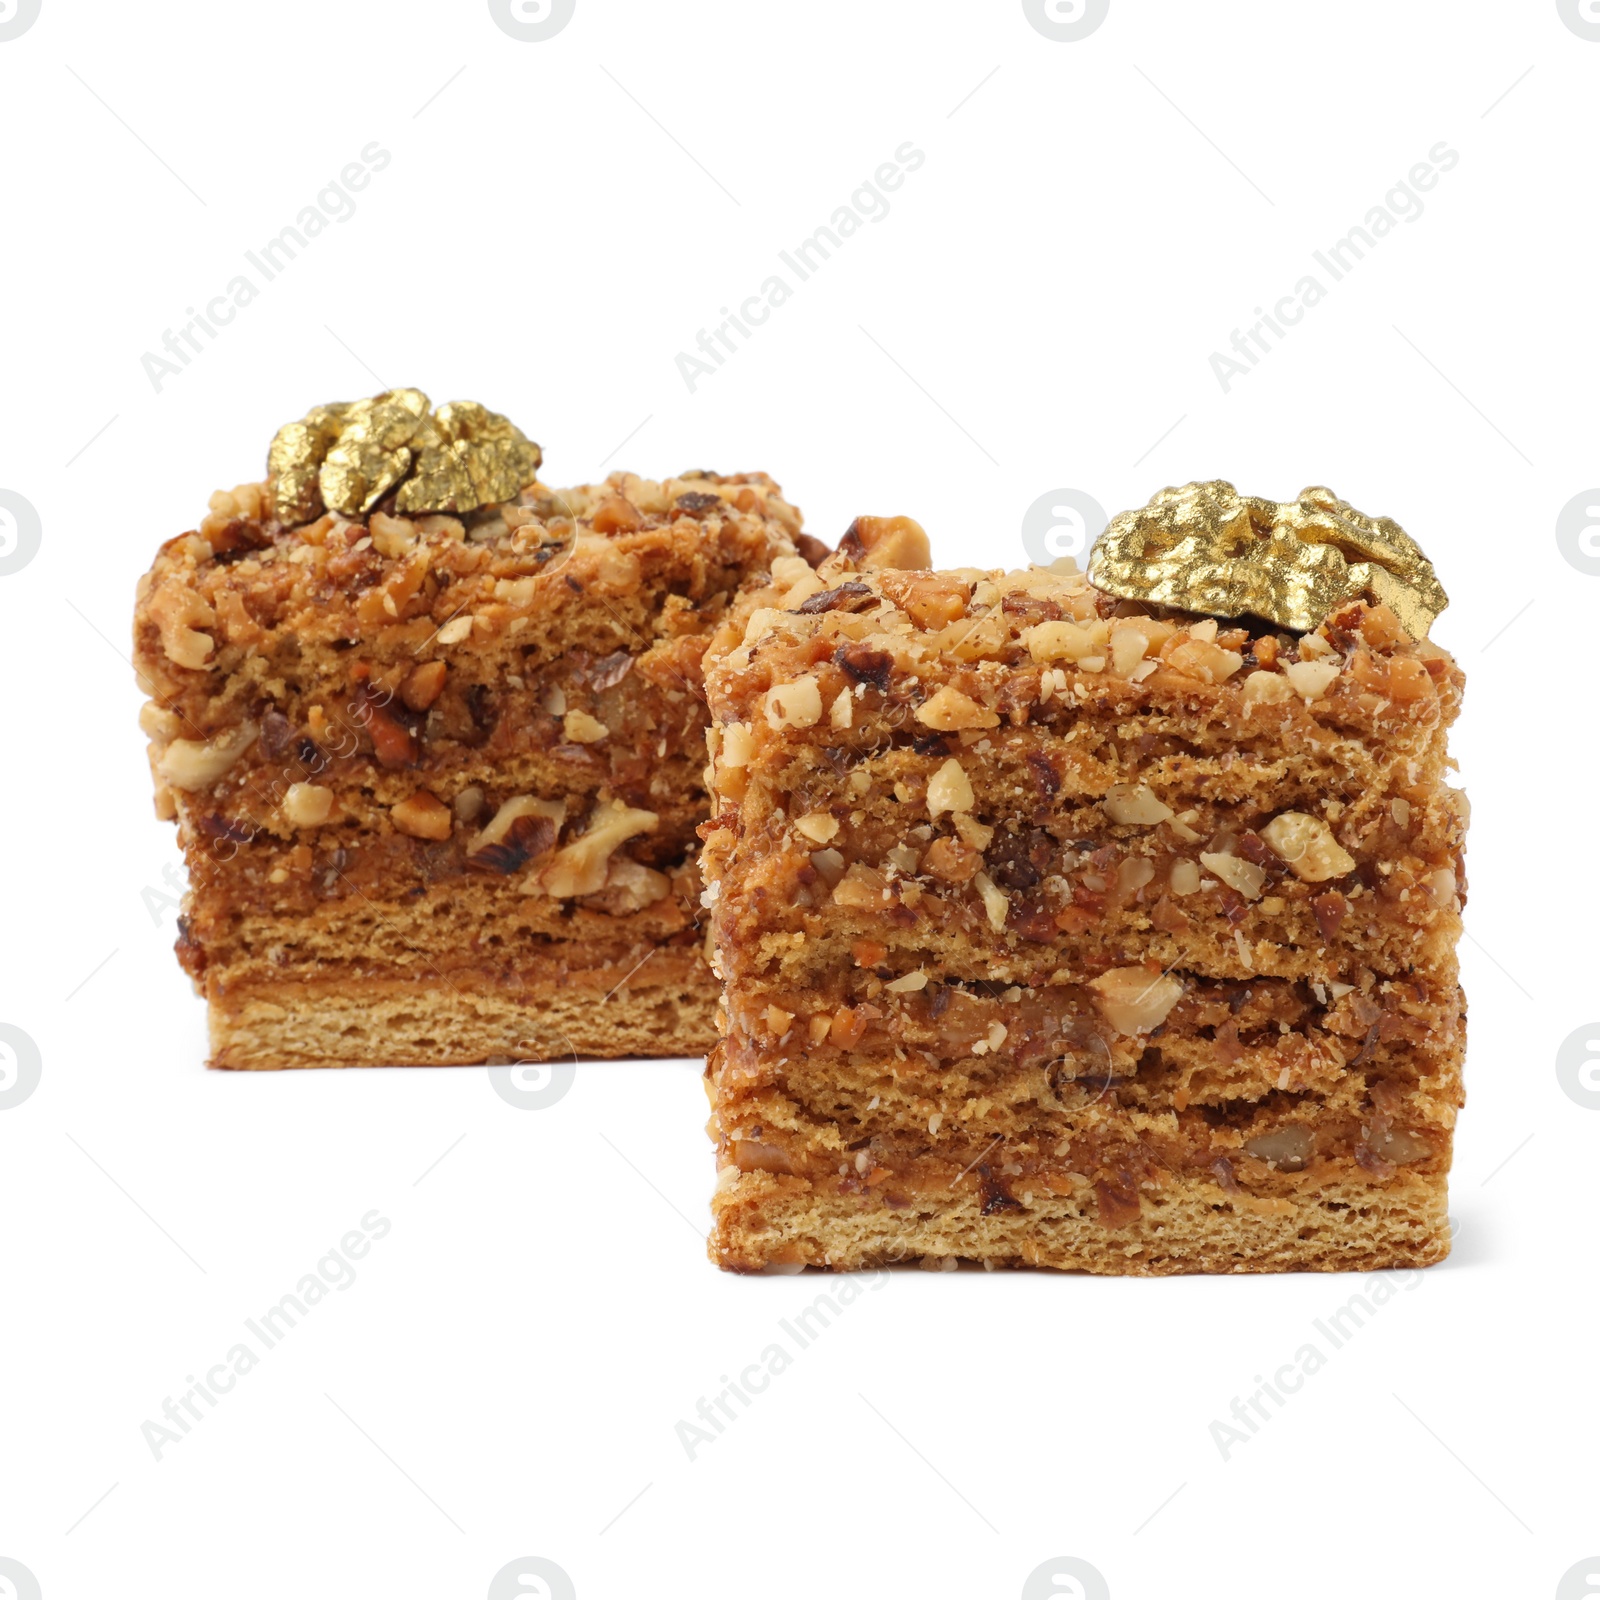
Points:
(615, 515)
(933, 600)
(578, 727)
(1134, 873)
(1243, 876)
(1185, 877)
(794, 705)
(1128, 647)
(631, 885)
(972, 831)
(1398, 1146)
(1266, 689)
(951, 861)
(909, 984)
(1441, 886)
(521, 829)
(455, 630)
(422, 816)
(1133, 805)
(193, 764)
(391, 536)
(580, 867)
(996, 903)
(1202, 659)
(178, 614)
(949, 789)
(1310, 679)
(949, 709)
(778, 1020)
(1135, 1000)
(829, 865)
(1307, 845)
(860, 888)
(842, 713)
(887, 542)
(158, 723)
(307, 805)
(1059, 641)
(738, 745)
(817, 826)
(787, 571)
(423, 684)
(1287, 1148)
(468, 803)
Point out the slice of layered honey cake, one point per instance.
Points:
(433, 735)
(1104, 922)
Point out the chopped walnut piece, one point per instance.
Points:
(841, 714)
(860, 888)
(1311, 680)
(631, 886)
(1266, 689)
(1184, 878)
(1135, 1000)
(580, 867)
(158, 723)
(951, 861)
(949, 789)
(179, 613)
(879, 542)
(909, 984)
(948, 710)
(193, 764)
(455, 630)
(1128, 646)
(391, 536)
(738, 745)
(521, 829)
(422, 816)
(971, 831)
(1198, 657)
(817, 826)
(423, 684)
(1441, 887)
(1060, 641)
(1307, 845)
(1133, 805)
(616, 515)
(307, 805)
(996, 902)
(1287, 1148)
(794, 705)
(1243, 876)
(578, 727)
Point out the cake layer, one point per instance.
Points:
(565, 1005)
(456, 923)
(1218, 1045)
(767, 1220)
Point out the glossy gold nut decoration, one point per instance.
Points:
(1207, 548)
(348, 456)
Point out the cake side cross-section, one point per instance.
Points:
(437, 777)
(1063, 930)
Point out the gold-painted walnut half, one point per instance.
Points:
(347, 457)
(1207, 548)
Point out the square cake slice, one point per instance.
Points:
(1065, 929)
(437, 775)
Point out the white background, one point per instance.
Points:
(1036, 311)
